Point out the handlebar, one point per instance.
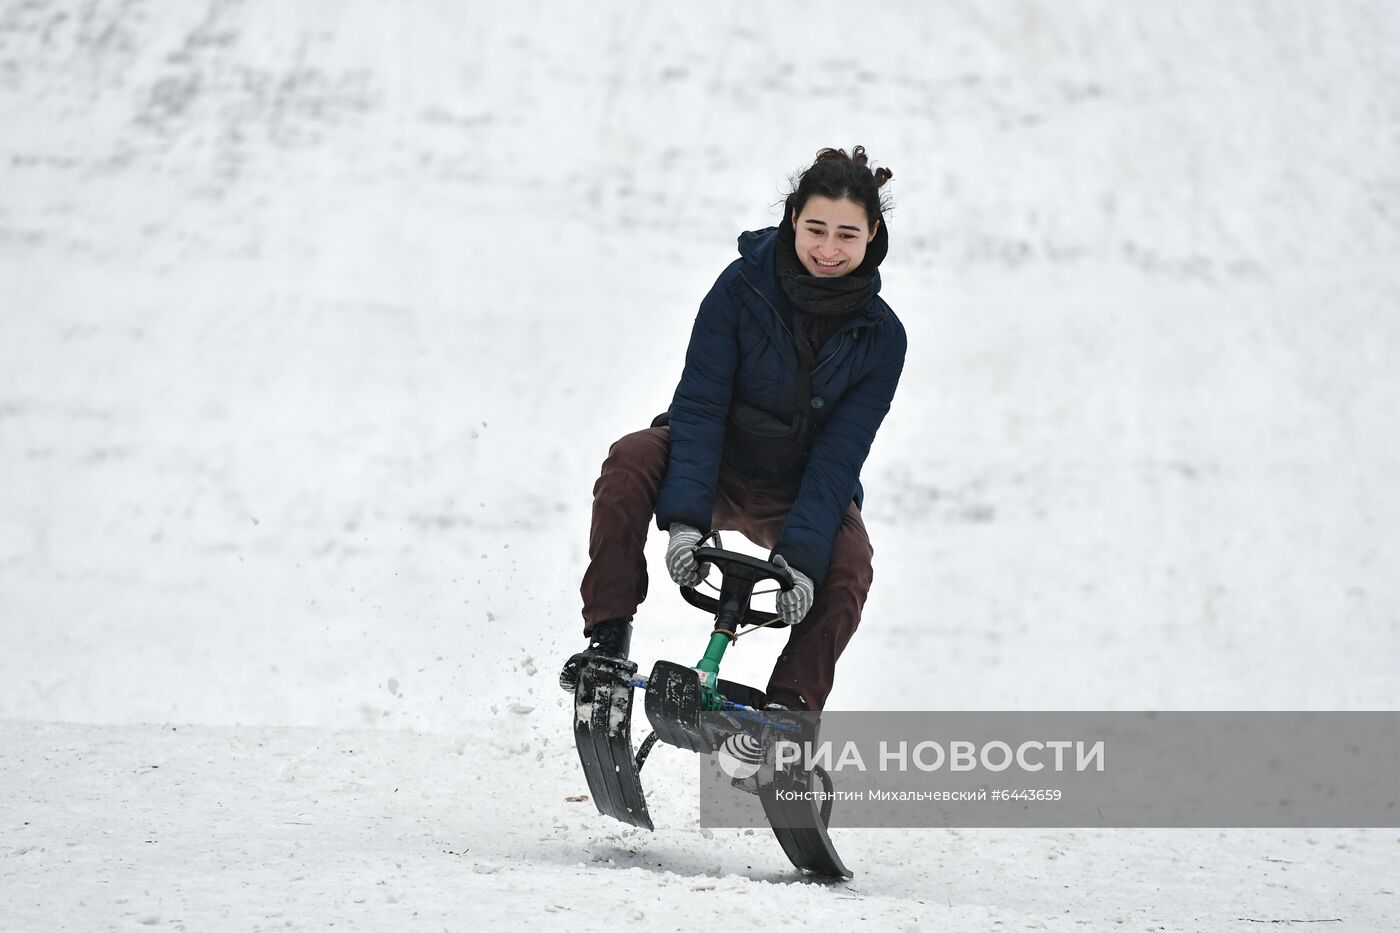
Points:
(740, 573)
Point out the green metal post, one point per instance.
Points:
(709, 668)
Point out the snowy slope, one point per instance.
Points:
(317, 320)
(201, 828)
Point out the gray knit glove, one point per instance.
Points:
(680, 556)
(794, 604)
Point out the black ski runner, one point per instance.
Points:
(603, 735)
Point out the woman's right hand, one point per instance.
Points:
(680, 556)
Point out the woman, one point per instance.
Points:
(791, 367)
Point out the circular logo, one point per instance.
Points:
(740, 755)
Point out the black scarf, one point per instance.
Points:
(824, 304)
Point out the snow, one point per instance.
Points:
(273, 827)
(317, 320)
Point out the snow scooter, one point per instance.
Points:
(692, 708)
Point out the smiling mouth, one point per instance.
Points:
(826, 265)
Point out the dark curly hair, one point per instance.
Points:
(839, 176)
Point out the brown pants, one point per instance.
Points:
(624, 500)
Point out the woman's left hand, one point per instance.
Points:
(794, 604)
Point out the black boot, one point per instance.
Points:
(791, 725)
(610, 639)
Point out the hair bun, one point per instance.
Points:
(857, 156)
(836, 175)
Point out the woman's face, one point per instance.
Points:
(832, 236)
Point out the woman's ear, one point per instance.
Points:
(874, 229)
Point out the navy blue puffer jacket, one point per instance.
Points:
(742, 348)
